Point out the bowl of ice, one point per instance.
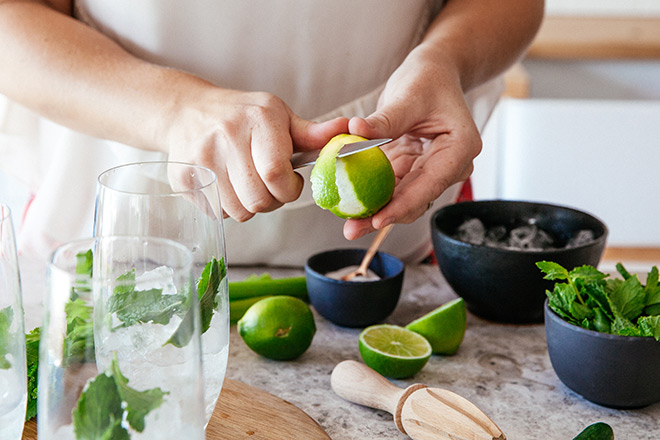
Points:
(488, 250)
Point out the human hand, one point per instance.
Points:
(424, 109)
(247, 139)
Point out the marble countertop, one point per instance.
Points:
(503, 369)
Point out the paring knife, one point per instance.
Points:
(309, 157)
(421, 412)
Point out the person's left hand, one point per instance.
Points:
(423, 108)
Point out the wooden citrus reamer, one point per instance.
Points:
(419, 411)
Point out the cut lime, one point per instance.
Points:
(278, 327)
(353, 186)
(444, 327)
(394, 351)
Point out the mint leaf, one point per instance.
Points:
(138, 403)
(628, 297)
(650, 326)
(560, 300)
(79, 338)
(6, 343)
(133, 306)
(553, 271)
(208, 286)
(586, 274)
(652, 288)
(98, 413)
(32, 357)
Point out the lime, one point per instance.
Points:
(444, 327)
(278, 327)
(353, 186)
(394, 351)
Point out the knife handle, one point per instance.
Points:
(360, 384)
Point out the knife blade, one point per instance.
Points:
(307, 158)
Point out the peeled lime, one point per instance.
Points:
(394, 351)
(444, 327)
(278, 327)
(354, 186)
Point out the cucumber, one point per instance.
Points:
(596, 431)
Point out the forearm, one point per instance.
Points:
(68, 72)
(482, 38)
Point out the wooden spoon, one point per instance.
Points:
(420, 412)
(371, 252)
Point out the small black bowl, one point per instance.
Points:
(353, 303)
(505, 285)
(610, 370)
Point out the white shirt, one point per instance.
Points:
(323, 58)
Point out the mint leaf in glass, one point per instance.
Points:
(6, 318)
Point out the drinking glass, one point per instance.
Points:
(13, 379)
(120, 349)
(181, 202)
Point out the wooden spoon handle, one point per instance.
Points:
(371, 252)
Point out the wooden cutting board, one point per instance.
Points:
(245, 412)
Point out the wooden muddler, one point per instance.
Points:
(419, 411)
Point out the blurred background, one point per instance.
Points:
(579, 124)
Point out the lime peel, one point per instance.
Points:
(443, 327)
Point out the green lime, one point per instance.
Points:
(394, 351)
(278, 327)
(444, 327)
(353, 186)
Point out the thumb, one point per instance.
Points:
(391, 121)
(308, 135)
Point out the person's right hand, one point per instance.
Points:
(247, 139)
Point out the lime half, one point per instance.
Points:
(354, 186)
(444, 327)
(394, 351)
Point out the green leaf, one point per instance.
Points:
(141, 306)
(597, 299)
(553, 271)
(6, 338)
(650, 326)
(587, 274)
(208, 287)
(79, 338)
(622, 271)
(628, 297)
(32, 357)
(98, 413)
(138, 403)
(652, 288)
(560, 300)
(652, 310)
(601, 323)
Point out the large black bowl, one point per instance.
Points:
(610, 370)
(502, 284)
(353, 303)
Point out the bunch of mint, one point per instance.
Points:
(591, 299)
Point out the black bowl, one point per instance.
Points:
(353, 303)
(610, 370)
(505, 285)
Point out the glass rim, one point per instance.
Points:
(105, 173)
(80, 243)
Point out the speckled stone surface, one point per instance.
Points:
(504, 369)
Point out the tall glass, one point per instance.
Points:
(180, 202)
(13, 379)
(120, 349)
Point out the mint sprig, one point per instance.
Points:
(6, 340)
(104, 402)
(590, 299)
